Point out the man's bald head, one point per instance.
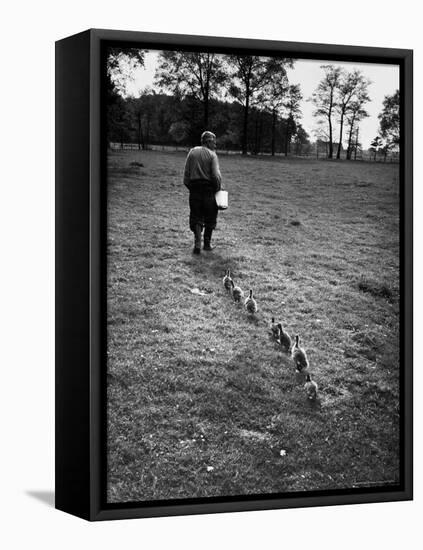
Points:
(208, 139)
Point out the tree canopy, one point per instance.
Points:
(200, 75)
(249, 76)
(389, 120)
(120, 66)
(341, 94)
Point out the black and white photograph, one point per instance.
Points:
(253, 275)
(210, 275)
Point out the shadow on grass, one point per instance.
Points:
(211, 264)
(253, 319)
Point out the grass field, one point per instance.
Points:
(201, 402)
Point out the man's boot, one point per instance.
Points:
(197, 238)
(207, 239)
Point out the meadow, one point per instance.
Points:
(201, 402)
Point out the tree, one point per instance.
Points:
(350, 85)
(354, 116)
(385, 150)
(322, 138)
(389, 120)
(273, 99)
(301, 140)
(178, 131)
(135, 105)
(199, 75)
(250, 75)
(288, 130)
(121, 63)
(355, 113)
(324, 98)
(142, 109)
(226, 123)
(375, 145)
(293, 108)
(357, 145)
(258, 131)
(118, 122)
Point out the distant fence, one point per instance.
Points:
(168, 148)
(362, 156)
(136, 147)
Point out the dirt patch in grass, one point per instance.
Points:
(377, 289)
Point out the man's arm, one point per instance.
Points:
(187, 173)
(215, 173)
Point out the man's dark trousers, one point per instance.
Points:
(203, 210)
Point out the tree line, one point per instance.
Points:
(246, 100)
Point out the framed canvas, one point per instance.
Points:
(245, 358)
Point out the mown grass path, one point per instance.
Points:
(200, 400)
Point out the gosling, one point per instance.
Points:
(310, 388)
(251, 304)
(237, 292)
(299, 356)
(284, 339)
(274, 327)
(227, 280)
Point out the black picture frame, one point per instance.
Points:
(80, 275)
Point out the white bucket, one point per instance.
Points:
(222, 200)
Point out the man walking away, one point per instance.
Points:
(203, 179)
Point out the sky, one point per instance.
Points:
(384, 81)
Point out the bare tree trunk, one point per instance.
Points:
(207, 96)
(245, 129)
(287, 139)
(255, 146)
(330, 155)
(356, 144)
(299, 148)
(140, 133)
(273, 131)
(338, 153)
(206, 113)
(147, 137)
(350, 140)
(260, 134)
